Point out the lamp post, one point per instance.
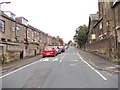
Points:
(4, 3)
(1, 4)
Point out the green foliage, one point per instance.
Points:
(81, 35)
(118, 54)
(11, 61)
(38, 47)
(14, 60)
(35, 43)
(4, 58)
(55, 44)
(39, 54)
(69, 42)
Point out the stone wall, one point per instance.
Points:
(104, 48)
(13, 51)
(106, 29)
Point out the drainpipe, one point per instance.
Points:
(116, 42)
(108, 31)
(16, 31)
(26, 35)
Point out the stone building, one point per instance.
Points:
(49, 40)
(18, 39)
(55, 41)
(116, 8)
(93, 18)
(61, 42)
(105, 30)
(10, 36)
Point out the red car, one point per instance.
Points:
(49, 51)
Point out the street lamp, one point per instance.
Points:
(4, 3)
(0, 6)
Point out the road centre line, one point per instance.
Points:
(62, 57)
(21, 68)
(92, 67)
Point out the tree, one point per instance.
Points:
(70, 42)
(81, 35)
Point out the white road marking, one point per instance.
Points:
(55, 59)
(20, 68)
(72, 60)
(92, 67)
(62, 57)
(46, 60)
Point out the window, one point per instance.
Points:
(32, 34)
(1, 50)
(17, 28)
(101, 26)
(3, 39)
(101, 29)
(24, 21)
(17, 31)
(2, 26)
(12, 16)
(40, 36)
(28, 34)
(46, 49)
(13, 29)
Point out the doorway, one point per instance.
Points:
(21, 55)
(35, 53)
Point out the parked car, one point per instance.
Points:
(62, 48)
(66, 47)
(58, 49)
(49, 51)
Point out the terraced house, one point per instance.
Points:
(104, 30)
(18, 39)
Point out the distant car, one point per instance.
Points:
(49, 51)
(62, 48)
(57, 49)
(66, 47)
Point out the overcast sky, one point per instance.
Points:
(55, 17)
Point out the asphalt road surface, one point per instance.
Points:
(66, 70)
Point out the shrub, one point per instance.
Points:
(118, 54)
(4, 58)
(116, 57)
(35, 43)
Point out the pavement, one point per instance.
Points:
(66, 70)
(10, 67)
(98, 62)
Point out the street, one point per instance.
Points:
(66, 70)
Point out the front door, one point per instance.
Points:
(35, 52)
(21, 55)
